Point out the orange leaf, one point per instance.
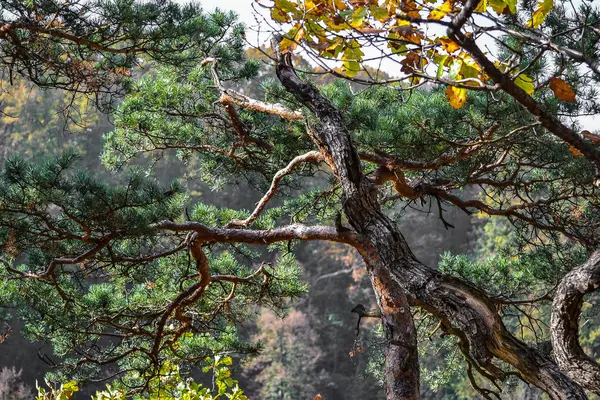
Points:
(412, 62)
(318, 397)
(595, 139)
(123, 71)
(411, 8)
(562, 90)
(449, 45)
(456, 96)
(575, 152)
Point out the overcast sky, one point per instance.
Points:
(242, 7)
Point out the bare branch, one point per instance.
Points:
(264, 237)
(592, 63)
(231, 96)
(312, 156)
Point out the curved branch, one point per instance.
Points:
(185, 298)
(72, 38)
(240, 128)
(311, 156)
(566, 309)
(592, 63)
(360, 206)
(264, 237)
(230, 96)
(511, 211)
(468, 149)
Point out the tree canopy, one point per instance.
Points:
(134, 277)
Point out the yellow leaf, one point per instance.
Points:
(456, 96)
(279, 15)
(449, 45)
(391, 6)
(541, 12)
(292, 38)
(525, 83)
(562, 90)
(358, 17)
(481, 7)
(441, 11)
(499, 6)
(338, 5)
(308, 5)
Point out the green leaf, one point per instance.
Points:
(441, 63)
(380, 13)
(525, 83)
(351, 57)
(351, 68)
(358, 17)
(286, 6)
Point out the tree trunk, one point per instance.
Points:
(564, 324)
(399, 278)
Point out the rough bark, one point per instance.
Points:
(365, 216)
(397, 276)
(564, 324)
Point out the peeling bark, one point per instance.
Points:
(398, 277)
(364, 215)
(564, 324)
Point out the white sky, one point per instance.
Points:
(242, 7)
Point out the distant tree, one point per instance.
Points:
(287, 366)
(12, 386)
(129, 278)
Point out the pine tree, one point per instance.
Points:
(133, 278)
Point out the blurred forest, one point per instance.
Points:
(314, 349)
